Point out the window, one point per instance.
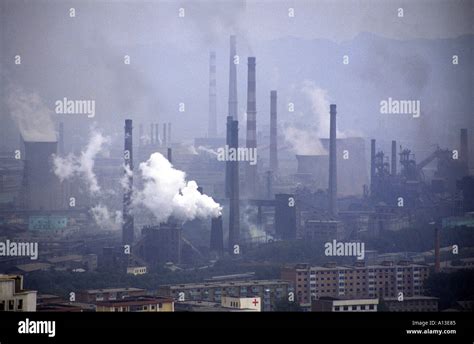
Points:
(20, 304)
(2, 305)
(371, 306)
(11, 305)
(346, 308)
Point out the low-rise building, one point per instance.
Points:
(13, 297)
(136, 270)
(108, 294)
(269, 291)
(242, 303)
(332, 304)
(412, 304)
(137, 304)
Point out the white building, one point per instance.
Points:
(331, 304)
(250, 304)
(136, 270)
(13, 297)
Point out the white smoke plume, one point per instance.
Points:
(167, 193)
(106, 219)
(305, 140)
(82, 166)
(208, 151)
(31, 115)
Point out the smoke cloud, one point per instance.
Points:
(166, 192)
(305, 131)
(106, 219)
(31, 115)
(82, 166)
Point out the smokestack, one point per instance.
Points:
(332, 162)
(152, 137)
(168, 138)
(157, 133)
(217, 235)
(170, 157)
(436, 249)
(372, 165)
(212, 124)
(61, 138)
(165, 140)
(234, 211)
(464, 149)
(273, 132)
(251, 170)
(269, 186)
(140, 133)
(393, 165)
(228, 167)
(127, 226)
(233, 79)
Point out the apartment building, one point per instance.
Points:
(269, 291)
(386, 280)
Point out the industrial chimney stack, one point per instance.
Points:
(127, 226)
(332, 162)
(212, 125)
(233, 79)
(393, 164)
(273, 133)
(234, 211)
(464, 153)
(217, 235)
(372, 166)
(251, 170)
(165, 140)
(61, 138)
(436, 249)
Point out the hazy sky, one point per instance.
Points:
(82, 57)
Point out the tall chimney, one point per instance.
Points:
(217, 235)
(251, 170)
(212, 124)
(168, 138)
(234, 211)
(436, 249)
(157, 133)
(140, 135)
(228, 166)
(273, 132)
(152, 137)
(393, 165)
(464, 153)
(127, 226)
(332, 162)
(61, 138)
(372, 165)
(233, 79)
(170, 155)
(165, 140)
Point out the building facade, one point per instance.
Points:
(13, 298)
(269, 291)
(358, 281)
